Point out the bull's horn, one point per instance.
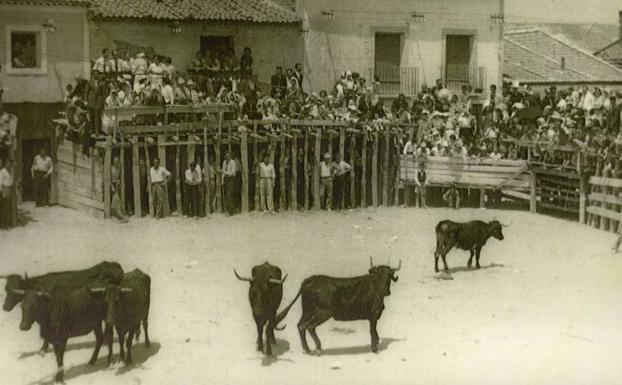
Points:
(278, 281)
(18, 291)
(399, 266)
(97, 289)
(126, 289)
(242, 278)
(371, 262)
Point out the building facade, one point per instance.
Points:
(403, 43)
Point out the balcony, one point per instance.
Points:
(395, 80)
(454, 76)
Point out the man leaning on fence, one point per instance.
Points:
(159, 177)
(342, 170)
(266, 184)
(41, 171)
(327, 172)
(193, 181)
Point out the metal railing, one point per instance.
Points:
(395, 80)
(454, 76)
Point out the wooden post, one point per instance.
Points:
(353, 172)
(364, 170)
(229, 137)
(582, 193)
(244, 160)
(107, 176)
(385, 179)
(396, 182)
(316, 169)
(482, 198)
(342, 154)
(136, 178)
(206, 171)
(294, 178)
(374, 171)
(256, 164)
(217, 143)
(147, 159)
(330, 144)
(179, 180)
(190, 157)
(614, 191)
(282, 172)
(166, 209)
(122, 175)
(604, 221)
(306, 170)
(533, 199)
(595, 218)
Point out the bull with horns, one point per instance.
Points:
(471, 236)
(265, 295)
(344, 299)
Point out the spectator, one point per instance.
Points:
(193, 181)
(266, 184)
(278, 82)
(8, 199)
(327, 172)
(229, 171)
(342, 169)
(159, 177)
(101, 64)
(421, 182)
(41, 172)
(452, 197)
(246, 62)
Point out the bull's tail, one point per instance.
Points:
(281, 316)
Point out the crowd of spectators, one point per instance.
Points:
(468, 123)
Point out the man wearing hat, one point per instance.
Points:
(327, 171)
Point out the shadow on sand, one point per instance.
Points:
(384, 344)
(78, 346)
(140, 354)
(462, 269)
(279, 349)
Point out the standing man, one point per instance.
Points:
(278, 82)
(116, 205)
(159, 177)
(327, 171)
(209, 175)
(41, 171)
(8, 200)
(229, 170)
(421, 181)
(193, 180)
(267, 177)
(342, 171)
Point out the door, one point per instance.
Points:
(457, 60)
(30, 148)
(388, 57)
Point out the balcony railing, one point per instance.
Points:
(395, 80)
(454, 76)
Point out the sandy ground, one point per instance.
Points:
(544, 309)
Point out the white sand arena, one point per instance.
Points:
(544, 309)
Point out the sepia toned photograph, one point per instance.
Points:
(232, 192)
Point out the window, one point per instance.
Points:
(26, 50)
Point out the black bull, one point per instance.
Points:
(471, 236)
(265, 294)
(16, 285)
(344, 299)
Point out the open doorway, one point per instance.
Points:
(458, 50)
(30, 148)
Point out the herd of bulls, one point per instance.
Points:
(349, 299)
(75, 303)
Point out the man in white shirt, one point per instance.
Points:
(327, 171)
(193, 180)
(101, 64)
(41, 171)
(159, 177)
(342, 169)
(267, 177)
(229, 170)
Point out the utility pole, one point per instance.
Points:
(501, 43)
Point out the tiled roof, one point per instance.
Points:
(612, 53)
(79, 3)
(257, 11)
(533, 55)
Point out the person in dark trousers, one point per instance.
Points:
(341, 174)
(41, 172)
(229, 171)
(421, 181)
(278, 82)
